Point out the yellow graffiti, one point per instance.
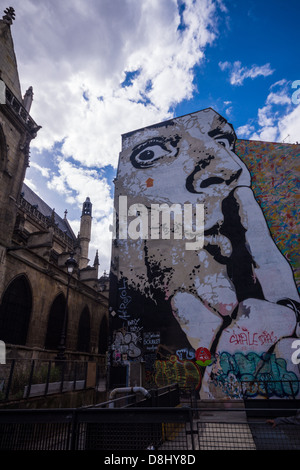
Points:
(185, 373)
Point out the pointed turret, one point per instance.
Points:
(8, 62)
(17, 129)
(28, 98)
(96, 264)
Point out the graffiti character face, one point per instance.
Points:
(190, 160)
(238, 276)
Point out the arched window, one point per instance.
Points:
(84, 331)
(103, 337)
(15, 311)
(55, 322)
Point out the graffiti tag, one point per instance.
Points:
(124, 301)
(252, 339)
(253, 374)
(186, 373)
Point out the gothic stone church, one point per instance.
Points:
(35, 243)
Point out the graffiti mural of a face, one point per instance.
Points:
(237, 293)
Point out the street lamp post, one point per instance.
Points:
(71, 264)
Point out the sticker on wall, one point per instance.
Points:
(203, 357)
(149, 182)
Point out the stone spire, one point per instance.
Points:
(8, 63)
(96, 263)
(85, 233)
(28, 98)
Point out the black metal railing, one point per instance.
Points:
(168, 396)
(22, 379)
(19, 109)
(270, 388)
(135, 429)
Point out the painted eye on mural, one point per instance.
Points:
(224, 137)
(224, 142)
(145, 154)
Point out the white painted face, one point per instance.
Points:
(190, 160)
(186, 161)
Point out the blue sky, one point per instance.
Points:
(252, 33)
(101, 68)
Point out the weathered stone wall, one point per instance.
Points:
(46, 283)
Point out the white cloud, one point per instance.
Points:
(265, 116)
(278, 83)
(67, 48)
(238, 73)
(278, 119)
(244, 131)
(278, 98)
(228, 111)
(289, 125)
(76, 55)
(31, 185)
(44, 171)
(76, 183)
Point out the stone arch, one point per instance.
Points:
(55, 322)
(103, 336)
(84, 331)
(15, 311)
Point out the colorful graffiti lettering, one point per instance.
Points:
(186, 373)
(253, 374)
(185, 353)
(125, 343)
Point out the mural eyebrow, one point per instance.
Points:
(218, 132)
(150, 151)
(142, 148)
(154, 140)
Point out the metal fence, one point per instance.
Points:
(142, 428)
(269, 388)
(21, 379)
(168, 396)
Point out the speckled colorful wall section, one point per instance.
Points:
(275, 175)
